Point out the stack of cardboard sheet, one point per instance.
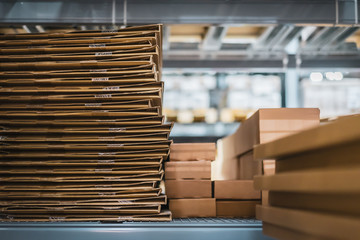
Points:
(315, 192)
(235, 152)
(188, 180)
(82, 135)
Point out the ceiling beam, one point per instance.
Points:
(339, 38)
(308, 63)
(214, 38)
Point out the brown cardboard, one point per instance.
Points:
(140, 130)
(269, 167)
(135, 193)
(91, 138)
(324, 225)
(162, 200)
(87, 154)
(187, 208)
(82, 134)
(141, 209)
(77, 187)
(188, 170)
(344, 204)
(264, 120)
(81, 179)
(223, 168)
(81, 80)
(235, 189)
(89, 146)
(163, 216)
(192, 151)
(334, 157)
(136, 121)
(321, 181)
(235, 208)
(188, 188)
(281, 233)
(248, 168)
(81, 106)
(88, 162)
(335, 133)
(83, 171)
(105, 88)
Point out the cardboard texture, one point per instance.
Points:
(334, 181)
(198, 170)
(323, 136)
(344, 204)
(312, 223)
(263, 126)
(314, 191)
(235, 189)
(334, 157)
(82, 135)
(281, 233)
(275, 121)
(236, 209)
(188, 188)
(188, 208)
(192, 151)
(248, 168)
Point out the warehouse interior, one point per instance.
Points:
(222, 61)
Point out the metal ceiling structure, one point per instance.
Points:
(288, 33)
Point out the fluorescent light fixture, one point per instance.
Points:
(316, 76)
(330, 76)
(338, 76)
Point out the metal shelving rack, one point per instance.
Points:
(179, 229)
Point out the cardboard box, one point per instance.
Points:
(278, 232)
(345, 204)
(188, 170)
(344, 130)
(274, 122)
(263, 126)
(200, 207)
(188, 188)
(222, 168)
(248, 168)
(317, 224)
(245, 209)
(336, 181)
(268, 167)
(235, 189)
(192, 151)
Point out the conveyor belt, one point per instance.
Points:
(179, 229)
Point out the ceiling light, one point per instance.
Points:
(338, 76)
(330, 76)
(316, 76)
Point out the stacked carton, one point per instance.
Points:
(82, 136)
(188, 180)
(236, 198)
(235, 160)
(315, 192)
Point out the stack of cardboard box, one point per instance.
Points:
(236, 198)
(235, 152)
(188, 180)
(315, 192)
(82, 135)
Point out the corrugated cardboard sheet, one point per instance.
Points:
(82, 136)
(315, 190)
